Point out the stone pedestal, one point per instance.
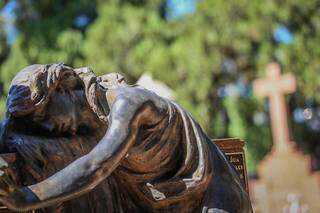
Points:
(286, 184)
(233, 149)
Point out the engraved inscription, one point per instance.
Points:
(237, 159)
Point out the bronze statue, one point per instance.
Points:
(95, 144)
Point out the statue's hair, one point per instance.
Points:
(93, 92)
(33, 86)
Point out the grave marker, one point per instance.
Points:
(284, 171)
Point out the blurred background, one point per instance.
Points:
(207, 52)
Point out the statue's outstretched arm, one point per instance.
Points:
(85, 173)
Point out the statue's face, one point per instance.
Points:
(63, 113)
(33, 102)
(67, 112)
(111, 80)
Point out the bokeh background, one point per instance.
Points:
(207, 51)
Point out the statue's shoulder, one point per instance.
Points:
(139, 95)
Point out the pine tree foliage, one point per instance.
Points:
(190, 54)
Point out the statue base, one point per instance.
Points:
(286, 182)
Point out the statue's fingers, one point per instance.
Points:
(57, 73)
(6, 201)
(2, 175)
(3, 193)
(3, 164)
(51, 78)
(54, 76)
(6, 181)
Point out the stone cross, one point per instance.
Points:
(275, 86)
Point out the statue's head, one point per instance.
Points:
(56, 97)
(111, 80)
(68, 112)
(81, 101)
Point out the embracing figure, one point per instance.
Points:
(95, 144)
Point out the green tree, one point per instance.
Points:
(4, 51)
(188, 54)
(47, 34)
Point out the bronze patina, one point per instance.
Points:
(88, 143)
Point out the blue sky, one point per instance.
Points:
(7, 13)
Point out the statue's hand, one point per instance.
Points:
(56, 72)
(9, 192)
(12, 196)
